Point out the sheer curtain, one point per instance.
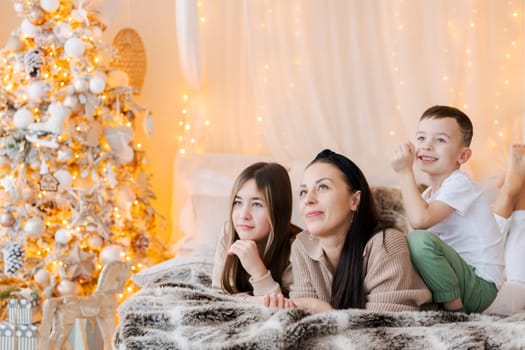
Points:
(290, 78)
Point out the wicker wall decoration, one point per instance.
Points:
(131, 56)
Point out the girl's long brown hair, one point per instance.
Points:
(273, 183)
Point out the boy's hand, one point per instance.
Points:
(249, 257)
(403, 156)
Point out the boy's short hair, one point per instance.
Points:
(440, 112)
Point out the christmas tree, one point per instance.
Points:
(74, 194)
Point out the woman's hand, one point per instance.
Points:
(249, 257)
(312, 305)
(278, 300)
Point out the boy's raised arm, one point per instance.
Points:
(420, 214)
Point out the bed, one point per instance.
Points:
(176, 307)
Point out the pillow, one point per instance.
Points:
(389, 203)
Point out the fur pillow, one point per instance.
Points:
(389, 202)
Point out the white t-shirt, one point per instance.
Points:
(471, 229)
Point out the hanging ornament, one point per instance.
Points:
(22, 118)
(48, 183)
(50, 5)
(95, 241)
(14, 254)
(140, 243)
(79, 262)
(34, 227)
(34, 59)
(7, 219)
(110, 253)
(42, 277)
(74, 47)
(29, 29)
(37, 16)
(63, 236)
(67, 287)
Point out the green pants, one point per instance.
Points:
(447, 275)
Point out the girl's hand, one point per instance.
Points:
(403, 156)
(278, 300)
(249, 257)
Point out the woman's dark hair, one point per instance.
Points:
(273, 183)
(347, 285)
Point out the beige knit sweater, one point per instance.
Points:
(261, 286)
(391, 282)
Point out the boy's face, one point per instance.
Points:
(439, 146)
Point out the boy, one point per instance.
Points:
(457, 247)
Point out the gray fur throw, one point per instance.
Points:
(179, 310)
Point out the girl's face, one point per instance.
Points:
(249, 214)
(326, 203)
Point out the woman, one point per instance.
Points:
(349, 257)
(252, 257)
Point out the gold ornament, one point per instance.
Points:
(7, 219)
(80, 263)
(131, 57)
(37, 16)
(140, 243)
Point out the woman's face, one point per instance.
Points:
(249, 214)
(326, 203)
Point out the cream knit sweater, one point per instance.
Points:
(391, 282)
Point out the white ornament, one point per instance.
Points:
(14, 43)
(97, 85)
(95, 241)
(65, 180)
(22, 118)
(81, 85)
(64, 155)
(29, 29)
(42, 277)
(63, 236)
(110, 253)
(67, 287)
(34, 227)
(71, 102)
(74, 47)
(36, 91)
(50, 5)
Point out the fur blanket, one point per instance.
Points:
(179, 310)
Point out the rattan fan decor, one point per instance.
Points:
(131, 56)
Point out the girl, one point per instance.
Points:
(252, 257)
(349, 257)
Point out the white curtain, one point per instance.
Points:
(290, 78)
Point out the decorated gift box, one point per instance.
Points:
(19, 337)
(7, 331)
(22, 311)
